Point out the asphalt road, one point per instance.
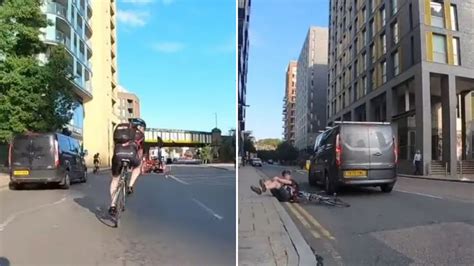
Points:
(422, 222)
(185, 219)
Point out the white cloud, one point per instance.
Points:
(132, 18)
(168, 47)
(138, 2)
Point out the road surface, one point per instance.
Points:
(185, 219)
(422, 222)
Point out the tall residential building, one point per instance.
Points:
(289, 103)
(243, 47)
(409, 62)
(311, 86)
(70, 26)
(102, 112)
(129, 105)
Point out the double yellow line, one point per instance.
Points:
(309, 222)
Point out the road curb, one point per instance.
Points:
(305, 254)
(437, 179)
(222, 168)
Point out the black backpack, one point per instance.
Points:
(124, 133)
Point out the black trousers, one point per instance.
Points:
(418, 168)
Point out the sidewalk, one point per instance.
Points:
(267, 235)
(223, 166)
(464, 179)
(4, 180)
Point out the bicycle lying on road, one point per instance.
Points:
(328, 200)
(120, 193)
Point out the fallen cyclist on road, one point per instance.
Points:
(286, 189)
(128, 140)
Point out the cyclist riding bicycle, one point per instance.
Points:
(128, 140)
(96, 160)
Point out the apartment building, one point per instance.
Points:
(289, 103)
(311, 86)
(70, 26)
(129, 105)
(101, 114)
(409, 62)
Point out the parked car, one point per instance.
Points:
(256, 162)
(46, 158)
(270, 161)
(355, 153)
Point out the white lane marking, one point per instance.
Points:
(302, 171)
(420, 194)
(178, 180)
(209, 210)
(13, 216)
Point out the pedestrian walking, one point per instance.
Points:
(417, 163)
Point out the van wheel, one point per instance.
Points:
(311, 179)
(329, 185)
(66, 183)
(387, 188)
(84, 178)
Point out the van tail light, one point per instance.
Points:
(395, 150)
(56, 153)
(10, 150)
(338, 151)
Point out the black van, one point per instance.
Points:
(355, 153)
(46, 158)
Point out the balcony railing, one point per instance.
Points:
(62, 38)
(57, 9)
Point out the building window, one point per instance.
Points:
(410, 13)
(355, 68)
(364, 36)
(384, 71)
(454, 17)
(364, 61)
(372, 27)
(356, 45)
(395, 33)
(396, 63)
(382, 16)
(372, 52)
(383, 39)
(437, 13)
(412, 51)
(373, 79)
(372, 5)
(364, 86)
(439, 48)
(394, 6)
(364, 15)
(456, 52)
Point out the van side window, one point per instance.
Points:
(316, 143)
(75, 147)
(324, 138)
(64, 145)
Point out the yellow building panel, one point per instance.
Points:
(447, 14)
(429, 46)
(427, 12)
(449, 42)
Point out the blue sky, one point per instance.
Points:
(179, 57)
(277, 32)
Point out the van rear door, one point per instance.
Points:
(33, 152)
(382, 155)
(355, 150)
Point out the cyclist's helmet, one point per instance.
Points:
(136, 122)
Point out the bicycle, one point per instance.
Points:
(120, 193)
(328, 200)
(96, 167)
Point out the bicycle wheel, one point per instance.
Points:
(336, 202)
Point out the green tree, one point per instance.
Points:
(207, 154)
(34, 95)
(227, 149)
(269, 142)
(287, 152)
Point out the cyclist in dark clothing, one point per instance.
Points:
(139, 126)
(283, 188)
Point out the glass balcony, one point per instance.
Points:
(57, 9)
(62, 38)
